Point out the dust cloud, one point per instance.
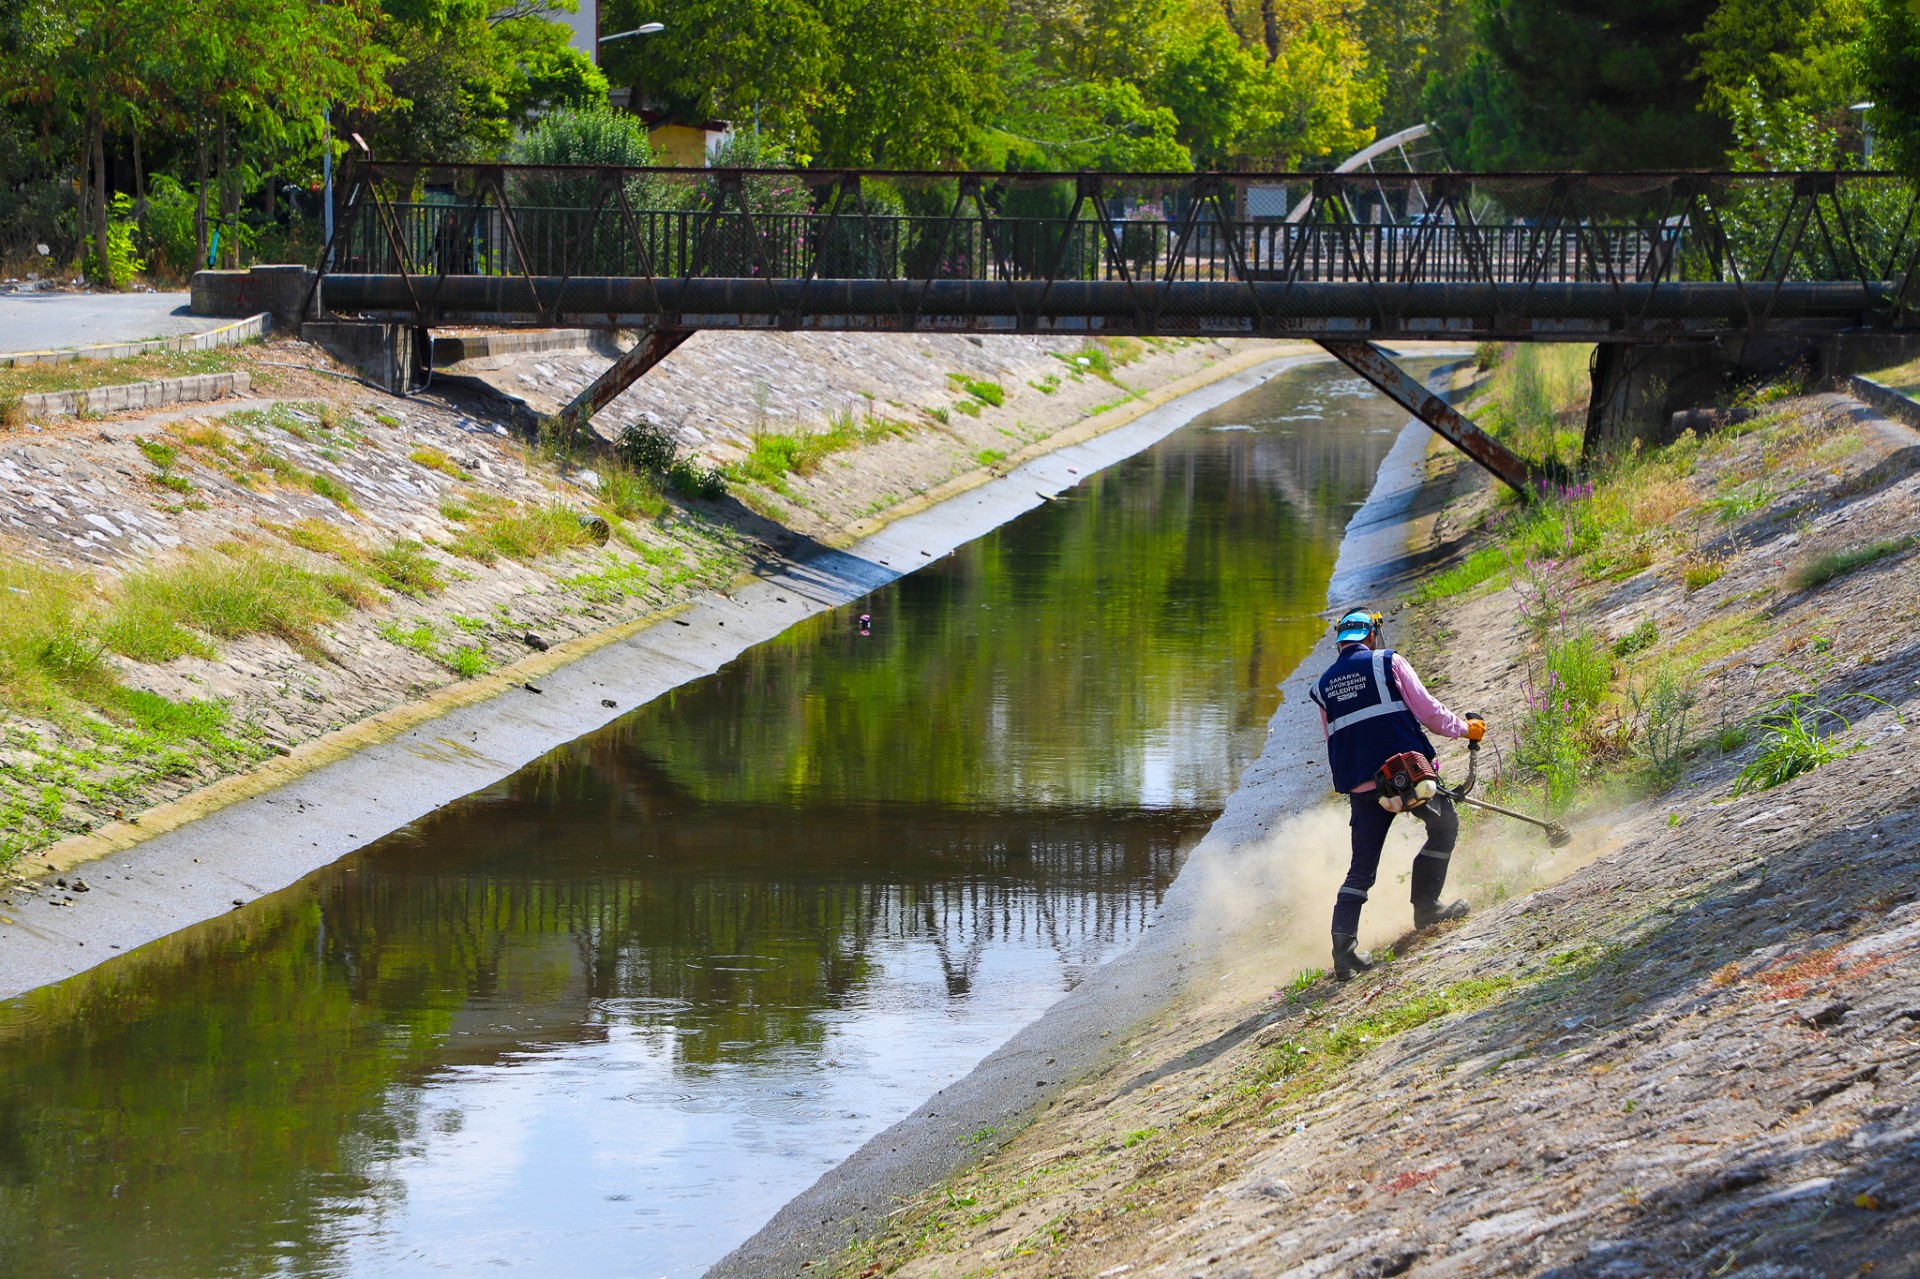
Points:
(1266, 904)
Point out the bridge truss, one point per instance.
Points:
(1347, 259)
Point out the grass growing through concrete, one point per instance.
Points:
(778, 454)
(85, 375)
(1822, 569)
(180, 607)
(496, 528)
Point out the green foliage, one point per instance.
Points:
(646, 447)
(1662, 711)
(1558, 84)
(1304, 1062)
(123, 259)
(628, 494)
(1889, 54)
(585, 135)
(986, 392)
(690, 479)
(467, 661)
(1793, 52)
(618, 580)
(406, 568)
(1483, 565)
(507, 530)
(166, 226)
(1638, 640)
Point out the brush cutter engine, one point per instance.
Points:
(1406, 781)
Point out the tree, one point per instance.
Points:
(1409, 43)
(1793, 52)
(913, 85)
(1889, 51)
(1586, 84)
(764, 64)
(463, 75)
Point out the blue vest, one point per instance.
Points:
(1367, 720)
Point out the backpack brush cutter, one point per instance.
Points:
(1408, 780)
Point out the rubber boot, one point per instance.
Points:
(1428, 913)
(1346, 960)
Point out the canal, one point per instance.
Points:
(604, 1017)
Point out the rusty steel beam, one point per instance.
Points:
(654, 346)
(1592, 311)
(1375, 365)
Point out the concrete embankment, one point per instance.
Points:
(1686, 1046)
(234, 840)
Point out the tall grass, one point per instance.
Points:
(503, 530)
(49, 652)
(1538, 399)
(177, 608)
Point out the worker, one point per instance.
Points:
(1372, 707)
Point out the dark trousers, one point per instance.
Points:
(1370, 823)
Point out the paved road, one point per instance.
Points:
(45, 321)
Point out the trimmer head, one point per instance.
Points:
(1558, 836)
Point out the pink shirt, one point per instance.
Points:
(1425, 707)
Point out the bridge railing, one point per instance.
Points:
(455, 239)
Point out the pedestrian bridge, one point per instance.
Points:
(1346, 259)
(1574, 257)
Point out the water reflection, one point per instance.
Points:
(607, 1015)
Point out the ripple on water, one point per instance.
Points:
(735, 963)
(638, 1008)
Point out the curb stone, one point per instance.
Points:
(138, 395)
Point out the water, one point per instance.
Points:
(605, 1017)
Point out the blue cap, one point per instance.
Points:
(1355, 626)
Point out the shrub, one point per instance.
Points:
(1638, 640)
(167, 226)
(690, 479)
(123, 258)
(646, 447)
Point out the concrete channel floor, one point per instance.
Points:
(54, 321)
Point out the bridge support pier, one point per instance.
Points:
(1638, 387)
(1377, 367)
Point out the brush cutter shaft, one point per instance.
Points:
(1541, 822)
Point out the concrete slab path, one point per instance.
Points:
(52, 321)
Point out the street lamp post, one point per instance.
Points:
(644, 29)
